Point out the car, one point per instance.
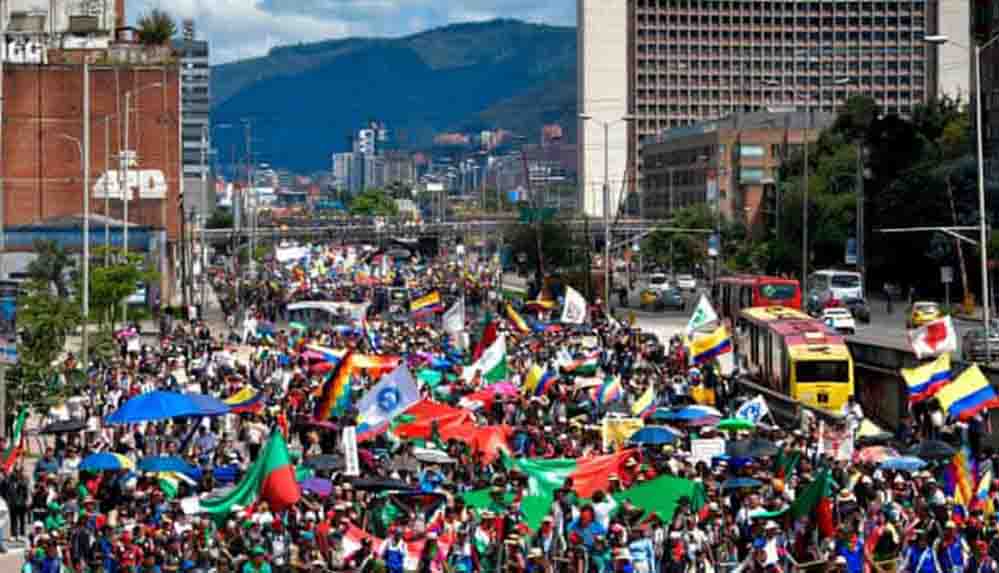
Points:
(652, 299)
(923, 312)
(686, 282)
(138, 297)
(973, 344)
(659, 282)
(859, 309)
(839, 319)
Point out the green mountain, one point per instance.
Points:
(306, 100)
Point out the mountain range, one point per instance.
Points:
(305, 101)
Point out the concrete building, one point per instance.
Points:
(196, 135)
(348, 172)
(399, 168)
(688, 61)
(731, 164)
(603, 42)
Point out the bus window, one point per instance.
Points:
(745, 297)
(754, 344)
(825, 371)
(767, 357)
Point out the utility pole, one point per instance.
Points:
(204, 219)
(85, 158)
(861, 263)
(804, 215)
(107, 196)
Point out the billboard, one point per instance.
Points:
(8, 322)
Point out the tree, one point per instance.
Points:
(399, 190)
(51, 267)
(561, 250)
(156, 27)
(44, 319)
(373, 203)
(110, 284)
(220, 219)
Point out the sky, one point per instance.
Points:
(239, 29)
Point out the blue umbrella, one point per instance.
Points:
(737, 483)
(653, 436)
(164, 464)
(903, 464)
(688, 413)
(104, 461)
(163, 405)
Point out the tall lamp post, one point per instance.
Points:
(84, 167)
(126, 191)
(979, 153)
(607, 234)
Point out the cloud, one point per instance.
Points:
(241, 29)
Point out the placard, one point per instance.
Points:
(705, 450)
(352, 464)
(616, 431)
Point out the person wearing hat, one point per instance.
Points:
(258, 561)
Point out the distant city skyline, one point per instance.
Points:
(240, 29)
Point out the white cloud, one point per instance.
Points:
(239, 29)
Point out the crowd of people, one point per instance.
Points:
(520, 473)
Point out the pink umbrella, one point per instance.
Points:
(876, 454)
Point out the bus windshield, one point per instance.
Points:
(823, 371)
(845, 281)
(778, 292)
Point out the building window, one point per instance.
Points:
(751, 175)
(750, 151)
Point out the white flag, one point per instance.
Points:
(390, 397)
(934, 338)
(574, 309)
(754, 410)
(454, 318)
(491, 365)
(703, 315)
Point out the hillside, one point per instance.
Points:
(305, 100)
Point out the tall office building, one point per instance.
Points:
(688, 61)
(195, 118)
(986, 25)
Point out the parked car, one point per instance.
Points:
(652, 299)
(923, 312)
(859, 309)
(839, 319)
(138, 297)
(659, 282)
(686, 282)
(973, 344)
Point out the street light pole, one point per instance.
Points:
(84, 335)
(980, 160)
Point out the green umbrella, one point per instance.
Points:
(735, 424)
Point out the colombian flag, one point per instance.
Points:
(538, 381)
(968, 395)
(426, 303)
(335, 394)
(246, 400)
(645, 404)
(706, 347)
(517, 320)
(926, 380)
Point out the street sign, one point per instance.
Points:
(946, 275)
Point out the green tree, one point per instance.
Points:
(51, 267)
(562, 251)
(44, 319)
(156, 27)
(111, 283)
(220, 219)
(373, 203)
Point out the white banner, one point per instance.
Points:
(454, 318)
(574, 309)
(705, 450)
(353, 465)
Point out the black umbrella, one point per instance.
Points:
(933, 450)
(381, 484)
(63, 427)
(325, 462)
(751, 448)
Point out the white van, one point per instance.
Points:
(839, 285)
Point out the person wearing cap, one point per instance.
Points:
(258, 561)
(919, 557)
(951, 549)
(547, 540)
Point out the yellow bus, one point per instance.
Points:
(795, 356)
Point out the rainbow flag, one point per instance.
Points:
(706, 347)
(927, 379)
(645, 404)
(609, 391)
(968, 395)
(426, 303)
(959, 477)
(518, 321)
(334, 396)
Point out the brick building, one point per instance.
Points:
(40, 167)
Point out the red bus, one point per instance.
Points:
(735, 293)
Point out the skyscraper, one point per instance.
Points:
(688, 61)
(195, 117)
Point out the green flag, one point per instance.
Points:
(809, 499)
(662, 495)
(271, 477)
(15, 444)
